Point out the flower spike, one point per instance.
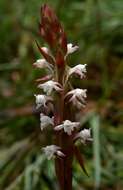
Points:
(56, 90)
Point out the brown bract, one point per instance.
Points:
(53, 33)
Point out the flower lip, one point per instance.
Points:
(77, 97)
(67, 126)
(41, 100)
(84, 135)
(71, 48)
(49, 86)
(42, 63)
(79, 69)
(53, 150)
(45, 121)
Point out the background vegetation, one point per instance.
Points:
(97, 27)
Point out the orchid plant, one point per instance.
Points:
(60, 98)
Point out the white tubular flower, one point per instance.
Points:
(42, 63)
(68, 126)
(41, 100)
(49, 86)
(45, 121)
(79, 70)
(77, 97)
(71, 48)
(84, 135)
(52, 150)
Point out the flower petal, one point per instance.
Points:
(71, 48)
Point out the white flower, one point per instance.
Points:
(45, 49)
(52, 150)
(42, 63)
(49, 86)
(71, 48)
(77, 97)
(41, 100)
(84, 135)
(68, 126)
(79, 70)
(45, 121)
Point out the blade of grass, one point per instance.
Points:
(95, 123)
(28, 179)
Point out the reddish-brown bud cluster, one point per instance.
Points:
(53, 33)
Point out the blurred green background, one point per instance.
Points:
(97, 27)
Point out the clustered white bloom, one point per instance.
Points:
(49, 86)
(77, 97)
(41, 100)
(42, 63)
(68, 126)
(45, 121)
(80, 70)
(84, 135)
(53, 150)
